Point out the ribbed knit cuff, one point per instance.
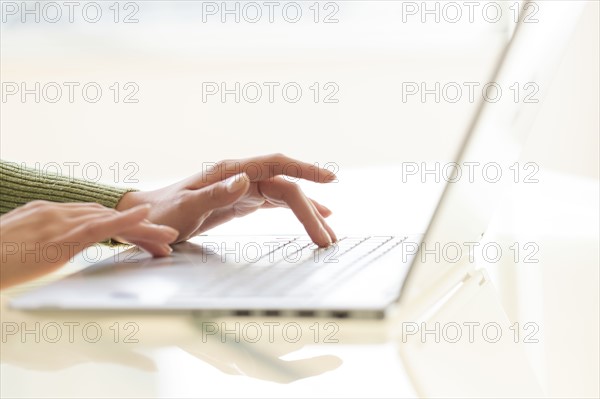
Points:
(20, 185)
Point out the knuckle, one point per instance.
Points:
(93, 227)
(48, 210)
(36, 204)
(278, 156)
(290, 190)
(292, 187)
(212, 195)
(223, 163)
(223, 168)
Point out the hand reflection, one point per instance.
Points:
(261, 360)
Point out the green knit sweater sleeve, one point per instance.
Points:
(20, 185)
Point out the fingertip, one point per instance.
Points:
(325, 212)
(160, 251)
(334, 238)
(329, 177)
(171, 233)
(324, 238)
(167, 250)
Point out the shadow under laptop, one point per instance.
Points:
(52, 341)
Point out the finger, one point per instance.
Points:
(73, 206)
(81, 216)
(76, 210)
(67, 209)
(263, 168)
(219, 194)
(322, 209)
(281, 191)
(144, 231)
(149, 232)
(154, 248)
(100, 229)
(104, 227)
(325, 224)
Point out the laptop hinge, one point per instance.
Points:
(429, 301)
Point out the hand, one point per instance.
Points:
(41, 236)
(235, 188)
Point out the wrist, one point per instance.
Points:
(128, 201)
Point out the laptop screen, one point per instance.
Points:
(488, 158)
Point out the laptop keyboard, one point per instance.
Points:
(293, 266)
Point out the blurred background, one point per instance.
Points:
(157, 117)
(363, 48)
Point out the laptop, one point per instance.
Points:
(359, 276)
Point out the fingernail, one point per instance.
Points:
(236, 183)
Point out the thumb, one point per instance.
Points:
(223, 193)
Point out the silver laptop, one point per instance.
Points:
(360, 276)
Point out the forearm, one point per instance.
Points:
(20, 185)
